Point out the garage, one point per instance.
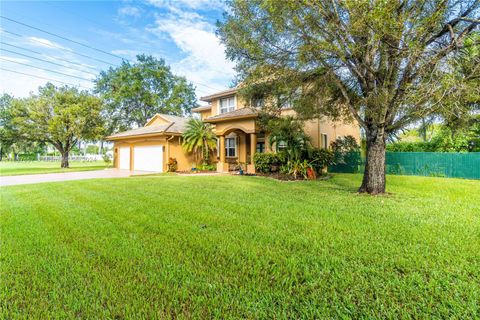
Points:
(124, 158)
(148, 158)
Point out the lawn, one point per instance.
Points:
(14, 168)
(240, 247)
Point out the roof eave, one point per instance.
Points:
(214, 96)
(250, 116)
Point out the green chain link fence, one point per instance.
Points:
(434, 164)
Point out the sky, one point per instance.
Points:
(72, 41)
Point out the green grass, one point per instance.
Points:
(14, 168)
(240, 247)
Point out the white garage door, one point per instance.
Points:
(148, 158)
(124, 158)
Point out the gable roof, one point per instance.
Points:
(175, 125)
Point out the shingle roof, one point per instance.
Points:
(177, 125)
(239, 113)
(201, 108)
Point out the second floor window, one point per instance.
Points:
(257, 103)
(227, 104)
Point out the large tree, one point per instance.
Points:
(7, 129)
(135, 92)
(60, 116)
(383, 63)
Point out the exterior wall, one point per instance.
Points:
(205, 114)
(240, 103)
(246, 125)
(172, 148)
(314, 129)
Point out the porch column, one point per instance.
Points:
(253, 149)
(222, 166)
(222, 149)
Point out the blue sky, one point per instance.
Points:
(180, 31)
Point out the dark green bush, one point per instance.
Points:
(267, 162)
(26, 157)
(320, 158)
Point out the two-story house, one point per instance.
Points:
(239, 137)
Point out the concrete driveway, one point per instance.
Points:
(66, 176)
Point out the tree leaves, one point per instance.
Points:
(135, 92)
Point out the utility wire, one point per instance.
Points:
(50, 57)
(48, 79)
(54, 63)
(62, 37)
(79, 43)
(59, 48)
(48, 70)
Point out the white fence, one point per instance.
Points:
(88, 158)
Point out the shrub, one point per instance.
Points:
(345, 145)
(106, 158)
(172, 165)
(266, 162)
(207, 167)
(26, 157)
(320, 158)
(296, 167)
(346, 151)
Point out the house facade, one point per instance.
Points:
(234, 121)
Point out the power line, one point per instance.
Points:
(29, 65)
(62, 37)
(39, 77)
(59, 48)
(91, 47)
(50, 57)
(54, 63)
(88, 46)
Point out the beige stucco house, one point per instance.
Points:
(239, 138)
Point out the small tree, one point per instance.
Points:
(287, 133)
(60, 116)
(200, 139)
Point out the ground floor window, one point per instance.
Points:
(230, 147)
(324, 138)
(282, 145)
(261, 147)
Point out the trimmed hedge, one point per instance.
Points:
(267, 162)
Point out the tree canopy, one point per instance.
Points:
(60, 116)
(386, 64)
(135, 92)
(7, 129)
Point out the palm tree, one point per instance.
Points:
(288, 132)
(200, 139)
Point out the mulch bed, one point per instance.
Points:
(195, 171)
(287, 177)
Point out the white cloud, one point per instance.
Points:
(204, 62)
(192, 4)
(44, 43)
(129, 11)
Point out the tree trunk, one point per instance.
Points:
(65, 163)
(374, 176)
